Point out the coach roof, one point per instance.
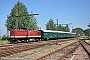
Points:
(54, 31)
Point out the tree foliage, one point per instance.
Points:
(63, 28)
(51, 25)
(87, 32)
(78, 31)
(60, 28)
(4, 37)
(16, 19)
(66, 28)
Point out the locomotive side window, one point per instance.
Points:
(38, 33)
(12, 33)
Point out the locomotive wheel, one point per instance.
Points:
(10, 42)
(27, 41)
(15, 42)
(36, 40)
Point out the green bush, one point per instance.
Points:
(4, 37)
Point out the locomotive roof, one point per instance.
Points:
(54, 31)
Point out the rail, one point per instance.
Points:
(63, 51)
(7, 50)
(86, 47)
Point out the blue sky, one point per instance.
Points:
(76, 12)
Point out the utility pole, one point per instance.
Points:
(40, 28)
(57, 30)
(57, 33)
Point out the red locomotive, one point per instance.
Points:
(28, 34)
(23, 35)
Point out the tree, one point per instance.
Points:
(87, 32)
(66, 28)
(51, 25)
(78, 31)
(4, 37)
(62, 28)
(19, 18)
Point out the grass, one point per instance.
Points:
(4, 42)
(89, 41)
(83, 36)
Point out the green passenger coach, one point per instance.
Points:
(49, 34)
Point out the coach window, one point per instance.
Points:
(44, 33)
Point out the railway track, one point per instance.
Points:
(60, 54)
(7, 50)
(86, 47)
(49, 41)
